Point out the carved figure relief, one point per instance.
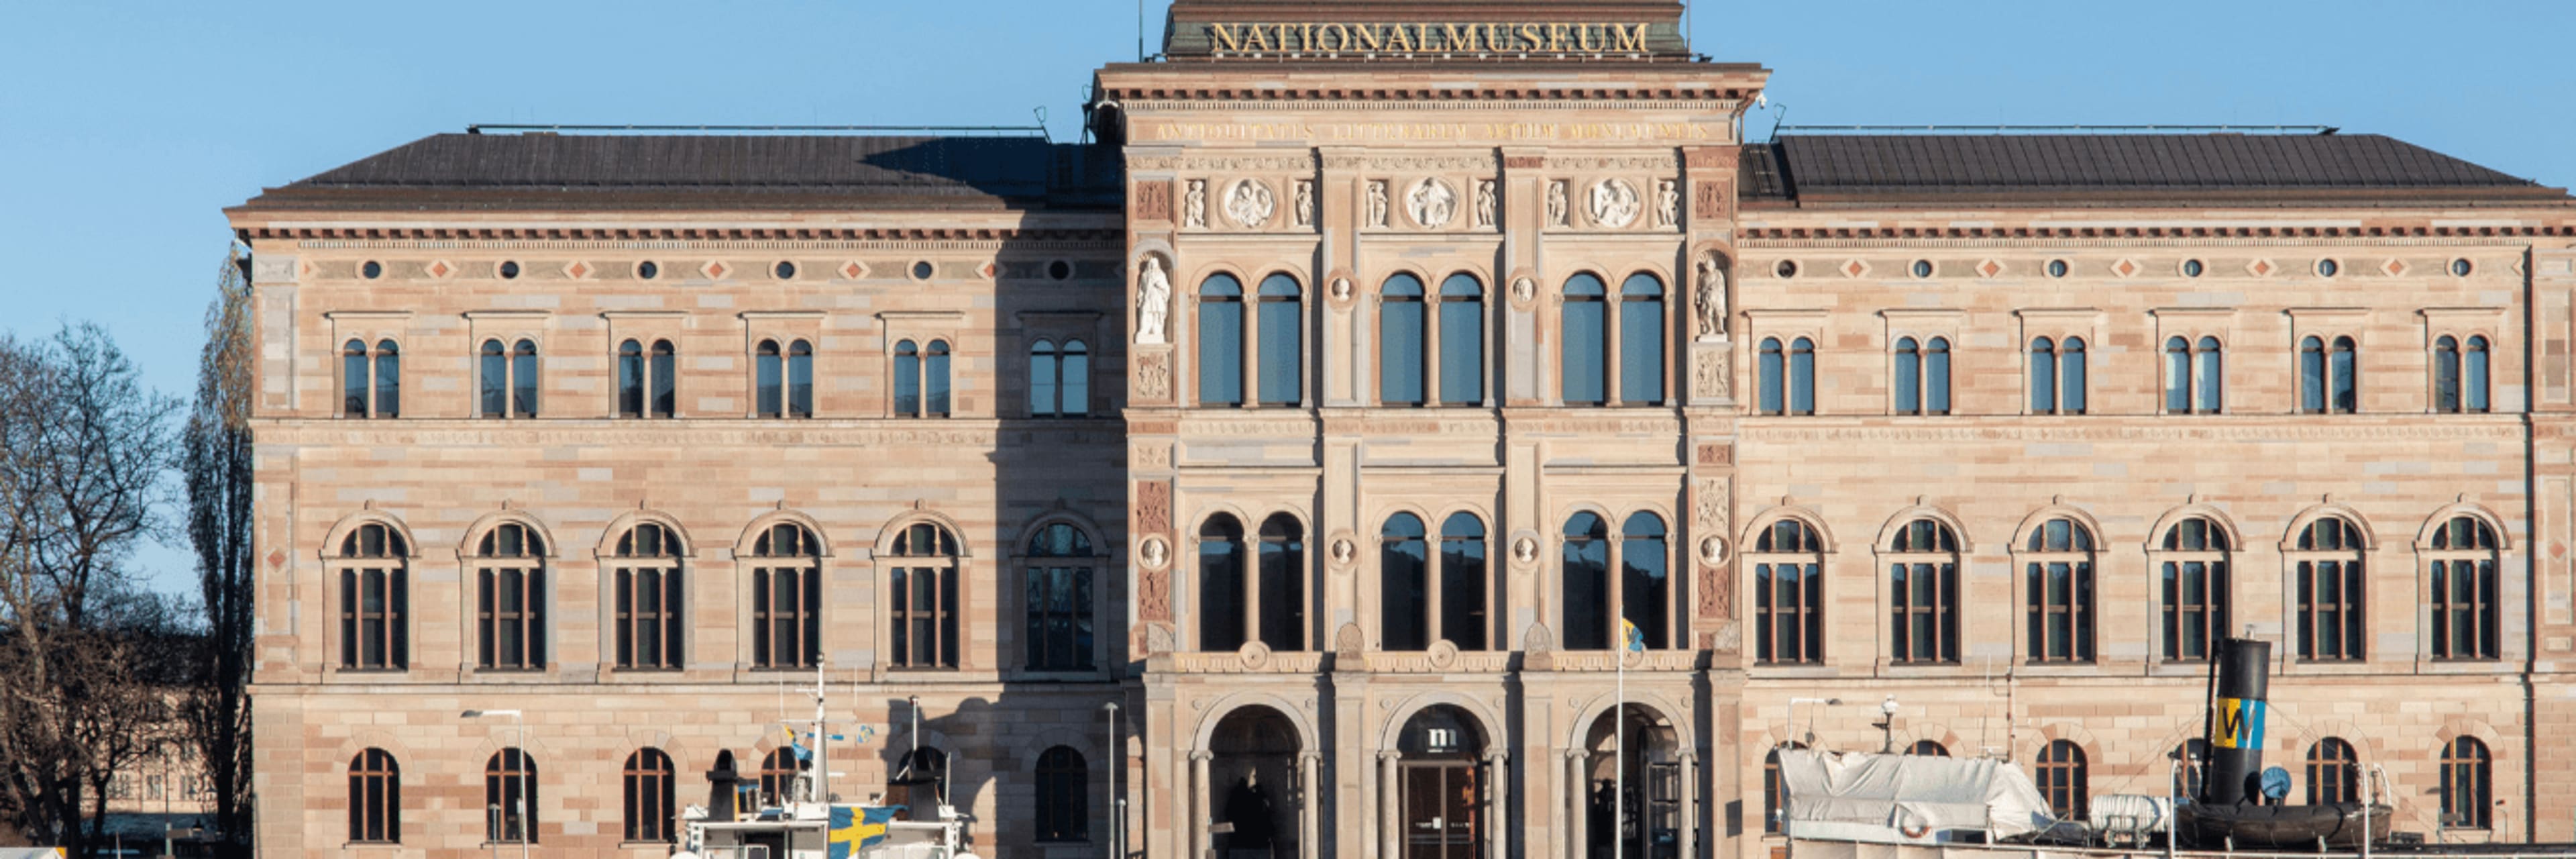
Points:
(1153, 300)
(1153, 506)
(1194, 204)
(1341, 289)
(1711, 299)
(1154, 597)
(1343, 552)
(1153, 201)
(1615, 203)
(1376, 214)
(1484, 202)
(1154, 553)
(1523, 289)
(1348, 642)
(1709, 376)
(1305, 203)
(1716, 590)
(1525, 550)
(1537, 639)
(1709, 507)
(1668, 203)
(1556, 203)
(1250, 204)
(1431, 203)
(1153, 377)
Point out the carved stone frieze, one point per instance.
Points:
(1710, 373)
(1409, 163)
(1224, 164)
(2166, 433)
(1154, 594)
(627, 435)
(1149, 455)
(1153, 507)
(1709, 505)
(1153, 376)
(1709, 201)
(1658, 163)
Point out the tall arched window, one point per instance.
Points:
(1462, 341)
(1905, 376)
(1772, 374)
(1220, 341)
(2464, 589)
(375, 599)
(1802, 376)
(665, 379)
(778, 771)
(1923, 582)
(510, 597)
(1584, 342)
(2327, 566)
(2194, 377)
(1645, 578)
(1585, 580)
(769, 380)
(1788, 594)
(2195, 587)
(2327, 381)
(1060, 571)
(1401, 337)
(510, 798)
(2057, 565)
(800, 379)
(786, 598)
(508, 380)
(1059, 379)
(649, 792)
(1283, 341)
(2057, 376)
(1404, 589)
(1641, 340)
(934, 380)
(1283, 583)
(921, 379)
(630, 379)
(2334, 772)
(2063, 780)
(1788, 379)
(648, 586)
(923, 572)
(1064, 796)
(1462, 615)
(2468, 788)
(2473, 376)
(371, 381)
(375, 798)
(907, 379)
(1221, 598)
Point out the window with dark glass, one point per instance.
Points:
(2057, 567)
(510, 598)
(508, 380)
(1462, 341)
(1064, 796)
(630, 379)
(1928, 749)
(375, 599)
(649, 792)
(907, 379)
(1220, 341)
(1585, 580)
(934, 380)
(1401, 338)
(1282, 589)
(1787, 377)
(1645, 579)
(2334, 772)
(2327, 383)
(1788, 594)
(510, 798)
(2063, 781)
(2195, 587)
(769, 372)
(923, 571)
(1584, 342)
(1059, 379)
(778, 771)
(1771, 786)
(370, 380)
(2460, 374)
(1282, 319)
(375, 798)
(1772, 377)
(800, 379)
(1921, 376)
(1060, 570)
(1462, 616)
(1923, 581)
(2327, 568)
(1641, 340)
(647, 584)
(921, 379)
(2194, 377)
(1802, 376)
(2463, 583)
(1222, 601)
(2057, 376)
(786, 598)
(645, 383)
(2468, 787)
(666, 381)
(1643, 592)
(1404, 589)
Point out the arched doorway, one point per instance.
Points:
(1443, 787)
(1636, 786)
(1253, 787)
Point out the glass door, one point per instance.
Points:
(1442, 810)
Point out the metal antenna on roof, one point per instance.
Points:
(1140, 30)
(1040, 112)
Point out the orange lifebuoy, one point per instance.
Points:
(1914, 830)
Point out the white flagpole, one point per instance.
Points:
(1619, 753)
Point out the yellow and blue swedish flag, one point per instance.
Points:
(856, 828)
(1629, 635)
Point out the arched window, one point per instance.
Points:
(2196, 588)
(2057, 565)
(649, 792)
(1773, 373)
(2334, 772)
(1404, 589)
(1788, 594)
(778, 771)
(2464, 589)
(510, 597)
(2193, 376)
(1584, 342)
(648, 586)
(1059, 379)
(2473, 381)
(1788, 380)
(665, 379)
(1462, 615)
(1923, 582)
(2446, 374)
(800, 379)
(924, 576)
(510, 798)
(2043, 376)
(2327, 383)
(509, 380)
(1221, 598)
(375, 798)
(1220, 341)
(1802, 376)
(371, 381)
(1283, 583)
(2057, 376)
(907, 379)
(1771, 786)
(2063, 781)
(375, 599)
(1928, 749)
(1936, 376)
(1283, 341)
(1585, 580)
(921, 379)
(2327, 567)
(1060, 570)
(1064, 796)
(1401, 336)
(920, 782)
(2467, 788)
(1462, 341)
(786, 598)
(1906, 376)
(630, 379)
(934, 380)
(769, 378)
(1641, 340)
(1645, 578)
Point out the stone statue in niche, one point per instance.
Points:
(1153, 300)
(1556, 203)
(1615, 203)
(1376, 214)
(1194, 204)
(1250, 204)
(1484, 202)
(1668, 203)
(1305, 202)
(1711, 299)
(1432, 202)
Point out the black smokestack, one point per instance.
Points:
(2236, 721)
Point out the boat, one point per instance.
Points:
(2236, 809)
(808, 823)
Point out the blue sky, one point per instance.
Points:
(126, 127)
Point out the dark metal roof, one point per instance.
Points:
(2121, 169)
(715, 171)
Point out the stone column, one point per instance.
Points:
(1390, 818)
(1497, 829)
(1205, 797)
(1576, 787)
(1690, 803)
(1309, 796)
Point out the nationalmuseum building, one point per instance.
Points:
(1327, 411)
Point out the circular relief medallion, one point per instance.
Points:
(1255, 655)
(1615, 203)
(1431, 203)
(1712, 550)
(1443, 654)
(1525, 550)
(1154, 553)
(1249, 203)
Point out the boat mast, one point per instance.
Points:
(820, 785)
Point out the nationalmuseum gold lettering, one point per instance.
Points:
(1341, 37)
(1584, 38)
(1556, 37)
(1460, 39)
(1222, 37)
(1367, 38)
(1401, 41)
(1498, 36)
(1253, 40)
(1306, 37)
(1425, 37)
(1439, 132)
(1632, 39)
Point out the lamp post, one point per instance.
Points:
(1117, 760)
(1886, 726)
(525, 833)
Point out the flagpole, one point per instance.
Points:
(1619, 752)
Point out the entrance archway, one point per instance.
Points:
(1637, 782)
(1444, 790)
(1254, 783)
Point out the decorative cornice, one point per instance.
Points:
(1141, 99)
(1756, 430)
(1235, 163)
(458, 232)
(1793, 236)
(665, 433)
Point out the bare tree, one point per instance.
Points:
(216, 459)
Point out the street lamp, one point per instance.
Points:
(1117, 801)
(1886, 726)
(525, 835)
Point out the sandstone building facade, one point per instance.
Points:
(1328, 409)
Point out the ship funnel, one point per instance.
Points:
(2244, 678)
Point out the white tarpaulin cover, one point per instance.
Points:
(1910, 790)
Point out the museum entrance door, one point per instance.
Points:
(1442, 782)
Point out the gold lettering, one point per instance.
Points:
(1279, 36)
(1401, 41)
(1222, 37)
(1632, 39)
(1306, 37)
(1460, 39)
(1556, 37)
(1369, 37)
(1341, 36)
(1529, 33)
(1584, 36)
(1496, 36)
(1253, 40)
